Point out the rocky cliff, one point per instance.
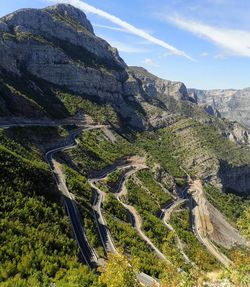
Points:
(52, 65)
(58, 46)
(231, 104)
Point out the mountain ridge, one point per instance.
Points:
(143, 170)
(69, 56)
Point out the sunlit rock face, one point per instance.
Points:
(231, 104)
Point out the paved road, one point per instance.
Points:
(165, 216)
(40, 123)
(107, 239)
(104, 232)
(170, 207)
(87, 251)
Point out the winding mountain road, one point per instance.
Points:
(6, 124)
(86, 250)
(122, 191)
(165, 217)
(104, 232)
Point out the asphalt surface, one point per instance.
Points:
(103, 230)
(105, 235)
(87, 252)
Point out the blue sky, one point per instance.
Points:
(205, 44)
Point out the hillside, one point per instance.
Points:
(110, 168)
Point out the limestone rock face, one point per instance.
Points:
(231, 104)
(65, 23)
(57, 44)
(55, 49)
(154, 87)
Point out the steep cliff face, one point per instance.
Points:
(51, 60)
(231, 104)
(156, 88)
(234, 178)
(58, 45)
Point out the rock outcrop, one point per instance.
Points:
(231, 104)
(58, 45)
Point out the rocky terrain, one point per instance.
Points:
(125, 147)
(231, 104)
(54, 66)
(47, 52)
(64, 52)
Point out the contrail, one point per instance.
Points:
(125, 25)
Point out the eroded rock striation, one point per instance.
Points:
(58, 45)
(231, 104)
(55, 49)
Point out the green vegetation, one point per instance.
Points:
(110, 183)
(220, 146)
(231, 205)
(23, 36)
(195, 251)
(8, 36)
(127, 238)
(34, 100)
(155, 190)
(118, 272)
(12, 98)
(70, 21)
(243, 223)
(113, 206)
(79, 186)
(7, 142)
(37, 248)
(185, 142)
(96, 152)
(114, 176)
(146, 203)
(101, 113)
(239, 273)
(29, 141)
(162, 146)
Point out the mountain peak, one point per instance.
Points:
(33, 18)
(70, 12)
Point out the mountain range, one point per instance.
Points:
(231, 104)
(149, 178)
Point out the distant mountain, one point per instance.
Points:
(231, 104)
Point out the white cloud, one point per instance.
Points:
(234, 42)
(110, 28)
(150, 62)
(125, 25)
(220, 56)
(204, 54)
(125, 48)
